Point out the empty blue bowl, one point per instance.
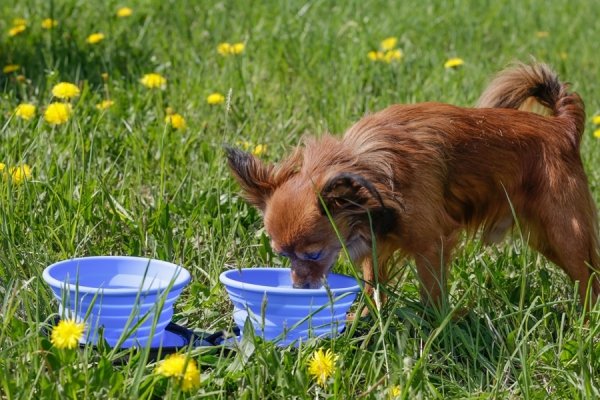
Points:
(280, 313)
(129, 298)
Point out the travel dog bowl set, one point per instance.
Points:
(129, 301)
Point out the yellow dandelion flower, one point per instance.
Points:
(322, 365)
(172, 365)
(179, 367)
(259, 149)
(224, 49)
(376, 55)
(392, 55)
(65, 90)
(124, 12)
(20, 173)
(596, 119)
(104, 76)
(542, 34)
(176, 121)
(66, 334)
(49, 23)
(11, 68)
(395, 391)
(153, 81)
(453, 62)
(95, 38)
(16, 30)
(389, 43)
(215, 98)
(21, 79)
(237, 48)
(2, 167)
(57, 113)
(25, 111)
(597, 133)
(105, 104)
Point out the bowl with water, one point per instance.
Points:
(280, 313)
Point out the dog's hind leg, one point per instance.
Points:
(566, 233)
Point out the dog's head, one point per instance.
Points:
(298, 212)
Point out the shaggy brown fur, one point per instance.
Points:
(416, 175)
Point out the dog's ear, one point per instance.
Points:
(351, 193)
(255, 177)
(357, 198)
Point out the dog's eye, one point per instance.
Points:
(284, 254)
(313, 256)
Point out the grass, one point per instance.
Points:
(121, 182)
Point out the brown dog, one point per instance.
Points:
(411, 177)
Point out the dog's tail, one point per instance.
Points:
(535, 88)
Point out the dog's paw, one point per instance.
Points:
(350, 317)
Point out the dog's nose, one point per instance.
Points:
(305, 285)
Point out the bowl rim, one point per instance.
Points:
(227, 281)
(182, 277)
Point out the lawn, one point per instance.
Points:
(144, 174)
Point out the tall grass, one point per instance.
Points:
(122, 182)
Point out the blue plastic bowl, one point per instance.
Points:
(280, 313)
(115, 293)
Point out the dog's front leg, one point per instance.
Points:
(432, 278)
(432, 263)
(371, 284)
